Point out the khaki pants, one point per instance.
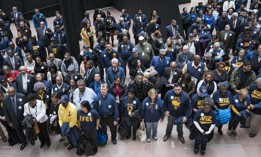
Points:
(254, 121)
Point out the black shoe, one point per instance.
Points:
(12, 143)
(23, 146)
(195, 151)
(32, 142)
(128, 136)
(202, 152)
(182, 140)
(42, 145)
(165, 138)
(114, 141)
(243, 126)
(220, 132)
(252, 135)
(70, 147)
(134, 137)
(48, 144)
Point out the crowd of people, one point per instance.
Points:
(208, 77)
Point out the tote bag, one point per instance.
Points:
(141, 132)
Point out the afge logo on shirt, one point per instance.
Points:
(224, 101)
(256, 94)
(205, 120)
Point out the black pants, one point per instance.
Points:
(12, 135)
(201, 142)
(20, 133)
(43, 135)
(233, 123)
(92, 136)
(109, 121)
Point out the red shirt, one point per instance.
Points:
(11, 77)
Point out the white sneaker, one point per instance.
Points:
(148, 139)
(156, 138)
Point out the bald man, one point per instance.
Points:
(13, 111)
(23, 80)
(184, 57)
(195, 68)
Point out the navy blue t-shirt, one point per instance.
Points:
(88, 120)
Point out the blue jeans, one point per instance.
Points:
(151, 126)
(171, 120)
(74, 135)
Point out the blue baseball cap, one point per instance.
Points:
(64, 99)
(203, 91)
(134, 50)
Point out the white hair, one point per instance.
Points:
(114, 60)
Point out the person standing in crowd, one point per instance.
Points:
(110, 24)
(204, 121)
(115, 70)
(3, 122)
(130, 105)
(82, 93)
(176, 105)
(53, 114)
(67, 61)
(208, 81)
(255, 110)
(13, 111)
(37, 110)
(58, 21)
(15, 16)
(220, 74)
(160, 62)
(38, 18)
(242, 77)
(195, 68)
(105, 105)
(67, 114)
(60, 87)
(87, 34)
(23, 81)
(240, 106)
(184, 57)
(222, 101)
(145, 50)
(152, 111)
(89, 122)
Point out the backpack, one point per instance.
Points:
(84, 146)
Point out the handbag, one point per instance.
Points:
(141, 132)
(124, 129)
(101, 137)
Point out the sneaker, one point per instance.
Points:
(148, 139)
(156, 138)
(202, 152)
(229, 132)
(234, 132)
(195, 151)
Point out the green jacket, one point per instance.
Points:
(235, 80)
